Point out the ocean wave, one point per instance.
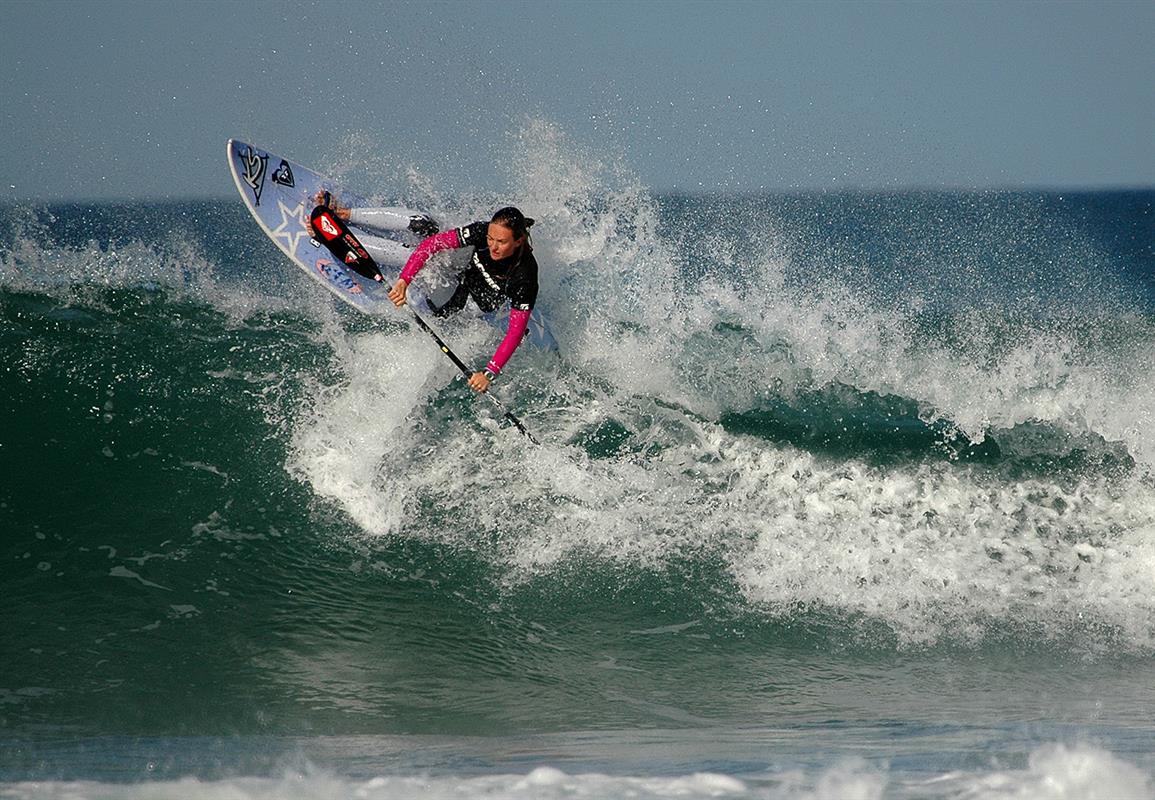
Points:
(846, 430)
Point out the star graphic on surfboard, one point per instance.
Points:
(294, 226)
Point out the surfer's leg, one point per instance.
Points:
(386, 252)
(393, 218)
(453, 304)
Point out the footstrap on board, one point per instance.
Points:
(332, 232)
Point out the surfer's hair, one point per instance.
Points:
(513, 219)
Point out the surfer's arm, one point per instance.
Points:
(446, 240)
(518, 321)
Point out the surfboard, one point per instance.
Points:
(281, 196)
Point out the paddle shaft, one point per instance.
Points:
(468, 373)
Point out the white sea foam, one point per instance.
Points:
(353, 427)
(1056, 772)
(1053, 772)
(542, 783)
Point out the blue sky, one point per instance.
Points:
(132, 99)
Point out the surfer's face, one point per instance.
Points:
(501, 242)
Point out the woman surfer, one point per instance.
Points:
(502, 267)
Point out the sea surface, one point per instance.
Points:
(839, 495)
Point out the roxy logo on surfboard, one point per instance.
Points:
(327, 227)
(284, 175)
(254, 173)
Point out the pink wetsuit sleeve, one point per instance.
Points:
(518, 320)
(446, 240)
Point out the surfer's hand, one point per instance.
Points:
(398, 293)
(479, 382)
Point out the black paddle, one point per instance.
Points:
(469, 374)
(332, 232)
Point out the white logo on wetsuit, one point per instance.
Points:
(481, 268)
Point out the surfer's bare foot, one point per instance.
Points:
(323, 198)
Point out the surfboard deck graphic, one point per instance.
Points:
(281, 196)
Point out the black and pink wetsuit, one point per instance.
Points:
(488, 281)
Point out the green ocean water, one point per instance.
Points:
(834, 496)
